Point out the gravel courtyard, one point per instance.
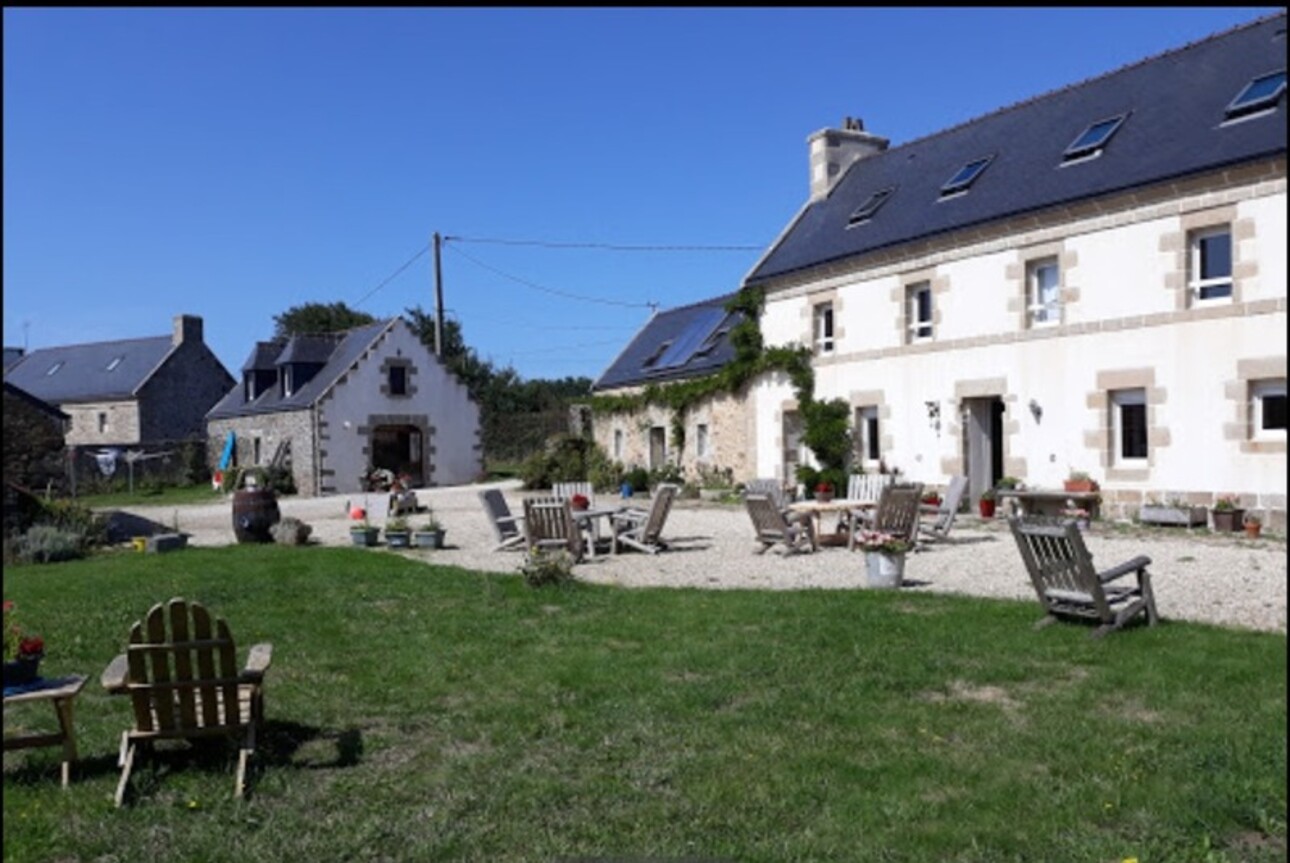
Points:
(1226, 580)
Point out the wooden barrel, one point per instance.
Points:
(254, 512)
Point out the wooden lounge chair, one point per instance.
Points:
(771, 488)
(642, 528)
(942, 515)
(867, 487)
(896, 513)
(566, 491)
(549, 524)
(180, 675)
(1068, 586)
(773, 529)
(507, 527)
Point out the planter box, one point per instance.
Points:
(1229, 520)
(884, 570)
(1187, 516)
(365, 537)
(163, 542)
(429, 538)
(398, 538)
(1080, 485)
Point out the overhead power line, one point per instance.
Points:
(546, 290)
(608, 246)
(409, 262)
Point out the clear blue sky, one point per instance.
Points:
(233, 163)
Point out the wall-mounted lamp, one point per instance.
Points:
(1035, 410)
(934, 415)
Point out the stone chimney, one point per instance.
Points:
(188, 328)
(833, 151)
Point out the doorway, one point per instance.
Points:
(398, 448)
(982, 443)
(657, 447)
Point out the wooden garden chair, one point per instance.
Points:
(773, 528)
(1067, 584)
(549, 524)
(642, 529)
(505, 526)
(896, 513)
(942, 515)
(179, 671)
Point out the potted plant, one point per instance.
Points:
(397, 532)
(986, 503)
(430, 533)
(1253, 525)
(363, 532)
(824, 491)
(1079, 481)
(884, 557)
(22, 651)
(579, 502)
(1227, 515)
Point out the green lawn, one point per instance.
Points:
(420, 713)
(170, 495)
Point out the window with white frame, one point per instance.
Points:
(1129, 427)
(1209, 264)
(1268, 409)
(918, 311)
(823, 317)
(701, 440)
(618, 443)
(1043, 293)
(866, 426)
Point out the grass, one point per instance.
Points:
(430, 713)
(169, 495)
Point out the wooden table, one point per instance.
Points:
(815, 509)
(62, 697)
(1050, 501)
(589, 520)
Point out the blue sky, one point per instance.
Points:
(233, 163)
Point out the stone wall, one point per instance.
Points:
(295, 427)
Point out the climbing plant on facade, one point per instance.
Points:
(824, 423)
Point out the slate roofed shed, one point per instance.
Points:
(674, 344)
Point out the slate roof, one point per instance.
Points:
(708, 316)
(81, 372)
(346, 347)
(264, 356)
(12, 355)
(1176, 105)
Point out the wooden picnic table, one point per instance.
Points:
(816, 509)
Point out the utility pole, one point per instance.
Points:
(438, 299)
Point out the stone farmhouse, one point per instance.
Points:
(1091, 280)
(147, 393)
(335, 406)
(674, 345)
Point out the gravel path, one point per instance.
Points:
(1231, 581)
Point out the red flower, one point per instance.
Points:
(824, 487)
(579, 501)
(31, 647)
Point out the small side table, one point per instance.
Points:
(62, 697)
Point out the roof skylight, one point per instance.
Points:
(966, 176)
(1093, 139)
(54, 368)
(866, 210)
(658, 352)
(1262, 92)
(116, 361)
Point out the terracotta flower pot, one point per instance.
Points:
(1252, 529)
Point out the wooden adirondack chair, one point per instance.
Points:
(641, 529)
(942, 516)
(773, 529)
(180, 675)
(505, 525)
(771, 488)
(896, 513)
(1062, 573)
(549, 524)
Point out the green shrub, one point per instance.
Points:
(666, 473)
(565, 458)
(45, 543)
(541, 567)
(70, 517)
(639, 478)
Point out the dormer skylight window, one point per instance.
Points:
(865, 211)
(1093, 139)
(713, 340)
(965, 177)
(1260, 94)
(116, 361)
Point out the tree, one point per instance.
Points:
(319, 318)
